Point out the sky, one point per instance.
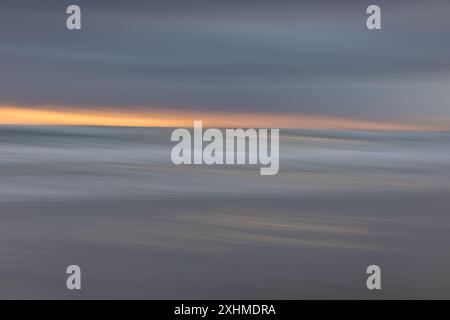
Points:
(284, 63)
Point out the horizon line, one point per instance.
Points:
(63, 116)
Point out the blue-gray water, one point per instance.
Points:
(111, 201)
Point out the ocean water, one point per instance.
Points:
(111, 201)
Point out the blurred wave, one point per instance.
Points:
(78, 162)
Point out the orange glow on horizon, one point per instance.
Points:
(163, 118)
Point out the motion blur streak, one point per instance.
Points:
(160, 118)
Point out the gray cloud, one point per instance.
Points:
(264, 56)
